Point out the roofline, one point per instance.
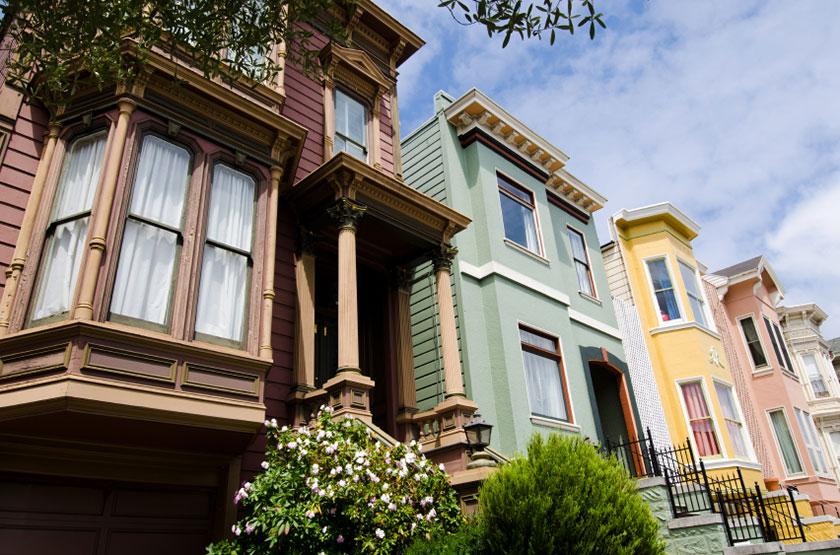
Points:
(654, 210)
(763, 265)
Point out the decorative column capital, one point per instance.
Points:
(306, 241)
(347, 213)
(443, 256)
(405, 277)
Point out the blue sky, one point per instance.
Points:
(730, 110)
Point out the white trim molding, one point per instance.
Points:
(595, 324)
(494, 268)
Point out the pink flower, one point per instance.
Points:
(235, 529)
(249, 527)
(340, 539)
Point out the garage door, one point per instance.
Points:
(75, 517)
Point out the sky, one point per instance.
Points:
(729, 110)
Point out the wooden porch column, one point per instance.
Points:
(268, 271)
(329, 118)
(305, 313)
(446, 312)
(405, 354)
(28, 224)
(102, 214)
(375, 143)
(347, 213)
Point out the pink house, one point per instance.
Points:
(786, 440)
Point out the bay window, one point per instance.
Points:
(754, 347)
(519, 215)
(663, 290)
(700, 419)
(695, 296)
(815, 378)
(153, 236)
(67, 231)
(784, 439)
(544, 375)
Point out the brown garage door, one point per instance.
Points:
(75, 517)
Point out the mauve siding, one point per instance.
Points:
(17, 173)
(386, 139)
(279, 378)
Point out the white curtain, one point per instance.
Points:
(530, 225)
(222, 294)
(66, 244)
(143, 285)
(542, 375)
(60, 272)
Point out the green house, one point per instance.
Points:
(540, 346)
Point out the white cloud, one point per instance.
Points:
(727, 109)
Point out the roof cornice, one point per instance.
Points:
(476, 110)
(664, 211)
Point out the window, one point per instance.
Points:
(835, 443)
(584, 273)
(759, 359)
(809, 431)
(350, 126)
(663, 290)
(700, 420)
(812, 371)
(227, 256)
(784, 439)
(778, 344)
(544, 375)
(153, 235)
(67, 231)
(519, 215)
(732, 418)
(695, 296)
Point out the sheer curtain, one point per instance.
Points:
(580, 259)
(222, 294)
(143, 284)
(792, 463)
(701, 423)
(543, 380)
(733, 420)
(66, 240)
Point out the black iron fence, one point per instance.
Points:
(749, 513)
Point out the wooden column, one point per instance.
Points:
(329, 118)
(102, 215)
(26, 227)
(304, 362)
(446, 312)
(347, 213)
(405, 353)
(268, 267)
(395, 133)
(375, 136)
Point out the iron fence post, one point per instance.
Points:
(670, 493)
(706, 484)
(768, 536)
(652, 453)
(796, 514)
(726, 522)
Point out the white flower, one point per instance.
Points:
(315, 469)
(440, 466)
(410, 457)
(324, 530)
(392, 507)
(416, 477)
(273, 422)
(341, 483)
(264, 465)
(322, 493)
(236, 530)
(310, 513)
(385, 487)
(413, 526)
(386, 498)
(292, 445)
(303, 451)
(413, 443)
(267, 423)
(379, 533)
(284, 429)
(247, 486)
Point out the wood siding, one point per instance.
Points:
(616, 273)
(17, 173)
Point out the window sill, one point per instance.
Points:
(790, 375)
(552, 423)
(762, 372)
(524, 250)
(590, 298)
(682, 325)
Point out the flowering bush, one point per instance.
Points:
(333, 488)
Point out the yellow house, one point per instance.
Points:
(656, 268)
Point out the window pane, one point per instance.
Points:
(698, 310)
(734, 426)
(514, 190)
(221, 296)
(814, 376)
(520, 226)
(161, 182)
(231, 217)
(578, 250)
(79, 176)
(727, 403)
(143, 284)
(812, 443)
(659, 274)
(753, 342)
(62, 260)
(667, 305)
(736, 435)
(584, 281)
(770, 331)
(545, 387)
(689, 279)
(536, 340)
(665, 297)
(782, 346)
(780, 426)
(350, 118)
(701, 422)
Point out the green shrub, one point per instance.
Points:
(332, 488)
(467, 540)
(565, 498)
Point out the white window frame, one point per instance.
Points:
(365, 147)
(572, 424)
(588, 261)
(534, 207)
(751, 316)
(818, 446)
(652, 291)
(801, 360)
(707, 313)
(779, 446)
(712, 413)
(747, 438)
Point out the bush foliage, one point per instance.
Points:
(333, 488)
(565, 498)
